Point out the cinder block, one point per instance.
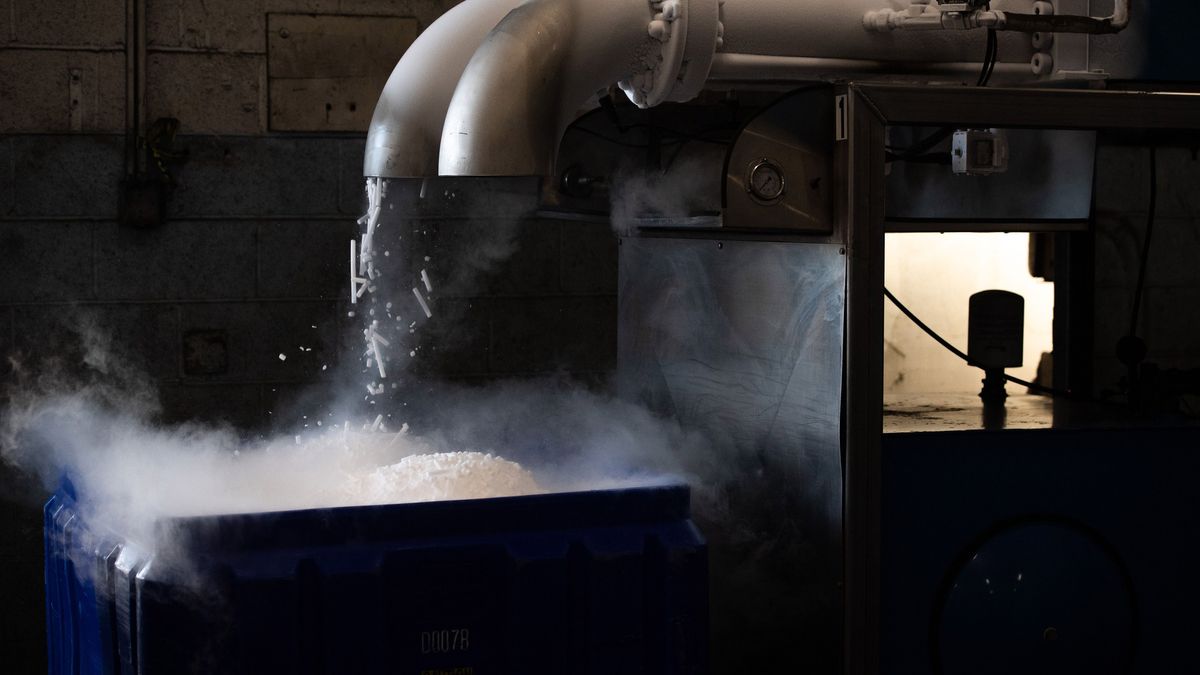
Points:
(525, 334)
(182, 260)
(257, 177)
(459, 255)
(506, 198)
(532, 269)
(224, 25)
(209, 93)
(1174, 251)
(426, 11)
(67, 175)
(260, 331)
(1172, 322)
(239, 405)
(1112, 309)
(7, 159)
(352, 194)
(350, 339)
(164, 24)
(41, 82)
(1179, 183)
(1173, 246)
(1122, 179)
(457, 340)
(6, 342)
(1119, 238)
(45, 261)
(308, 6)
(304, 258)
(589, 258)
(589, 334)
(98, 23)
(291, 409)
(141, 337)
(481, 257)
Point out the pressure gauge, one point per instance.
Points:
(765, 181)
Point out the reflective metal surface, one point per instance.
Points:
(743, 340)
(1049, 178)
(516, 75)
(793, 139)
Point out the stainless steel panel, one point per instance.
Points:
(896, 104)
(744, 342)
(795, 139)
(1049, 178)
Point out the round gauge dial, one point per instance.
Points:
(766, 181)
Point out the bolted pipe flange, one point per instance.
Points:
(688, 33)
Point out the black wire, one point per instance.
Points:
(1150, 215)
(990, 56)
(924, 145)
(927, 158)
(963, 355)
(995, 54)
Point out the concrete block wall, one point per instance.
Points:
(257, 220)
(1168, 320)
(549, 307)
(250, 264)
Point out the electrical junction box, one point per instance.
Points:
(977, 152)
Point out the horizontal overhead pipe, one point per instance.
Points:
(489, 89)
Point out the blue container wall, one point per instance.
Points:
(600, 582)
(1099, 524)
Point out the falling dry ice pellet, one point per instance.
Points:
(283, 357)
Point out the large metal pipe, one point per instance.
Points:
(548, 57)
(734, 69)
(406, 129)
(542, 63)
(489, 89)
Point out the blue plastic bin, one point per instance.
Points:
(591, 582)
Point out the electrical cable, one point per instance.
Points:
(963, 355)
(922, 146)
(990, 57)
(1150, 216)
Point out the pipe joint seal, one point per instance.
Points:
(688, 33)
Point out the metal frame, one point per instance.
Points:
(869, 110)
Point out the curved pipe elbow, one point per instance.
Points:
(543, 62)
(503, 118)
(406, 129)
